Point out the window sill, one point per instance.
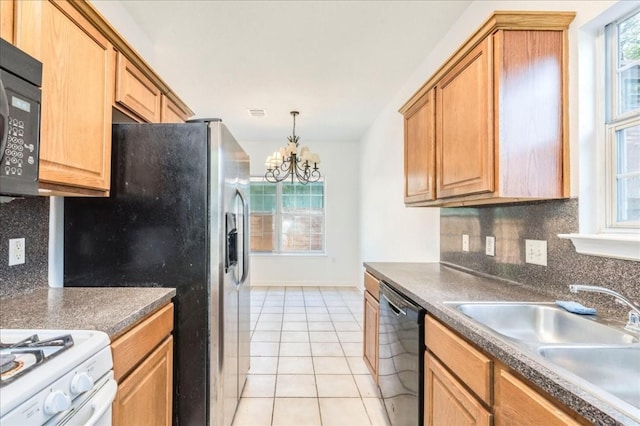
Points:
(625, 246)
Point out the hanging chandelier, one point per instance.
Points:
(287, 162)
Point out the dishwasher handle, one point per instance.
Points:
(396, 310)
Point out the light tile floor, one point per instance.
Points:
(306, 360)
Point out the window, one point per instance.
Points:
(610, 148)
(287, 217)
(622, 124)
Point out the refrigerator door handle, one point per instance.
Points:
(245, 237)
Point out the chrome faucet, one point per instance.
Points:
(633, 323)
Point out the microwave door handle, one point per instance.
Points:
(245, 237)
(4, 113)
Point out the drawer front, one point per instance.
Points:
(372, 285)
(131, 348)
(467, 363)
(516, 402)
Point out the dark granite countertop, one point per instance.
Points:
(113, 310)
(431, 284)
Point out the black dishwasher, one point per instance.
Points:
(401, 357)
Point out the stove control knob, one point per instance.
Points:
(81, 383)
(56, 402)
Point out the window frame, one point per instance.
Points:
(614, 121)
(278, 215)
(595, 237)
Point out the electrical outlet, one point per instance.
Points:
(465, 242)
(16, 251)
(536, 252)
(490, 246)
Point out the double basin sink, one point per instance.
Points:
(601, 355)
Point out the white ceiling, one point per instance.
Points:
(337, 62)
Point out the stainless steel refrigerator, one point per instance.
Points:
(177, 217)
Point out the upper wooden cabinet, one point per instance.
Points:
(7, 8)
(135, 92)
(500, 117)
(420, 150)
(88, 69)
(464, 137)
(77, 87)
(171, 112)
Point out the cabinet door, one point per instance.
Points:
(419, 150)
(135, 92)
(145, 397)
(170, 112)
(518, 403)
(7, 8)
(77, 93)
(370, 349)
(531, 128)
(446, 401)
(464, 129)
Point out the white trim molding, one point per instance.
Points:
(619, 246)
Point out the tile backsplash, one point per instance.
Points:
(26, 218)
(511, 225)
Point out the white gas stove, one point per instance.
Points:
(56, 377)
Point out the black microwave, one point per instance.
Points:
(20, 95)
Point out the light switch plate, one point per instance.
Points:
(536, 252)
(465, 242)
(16, 251)
(490, 246)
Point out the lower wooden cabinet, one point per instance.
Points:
(464, 386)
(446, 400)
(518, 403)
(370, 349)
(143, 368)
(145, 396)
(371, 323)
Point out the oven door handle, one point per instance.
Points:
(104, 399)
(396, 310)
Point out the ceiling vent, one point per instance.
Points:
(257, 112)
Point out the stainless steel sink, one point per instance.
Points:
(614, 369)
(536, 324)
(604, 358)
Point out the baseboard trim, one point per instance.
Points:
(300, 284)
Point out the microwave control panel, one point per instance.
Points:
(20, 156)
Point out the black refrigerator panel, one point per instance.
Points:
(153, 231)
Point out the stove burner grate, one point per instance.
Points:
(7, 362)
(21, 357)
